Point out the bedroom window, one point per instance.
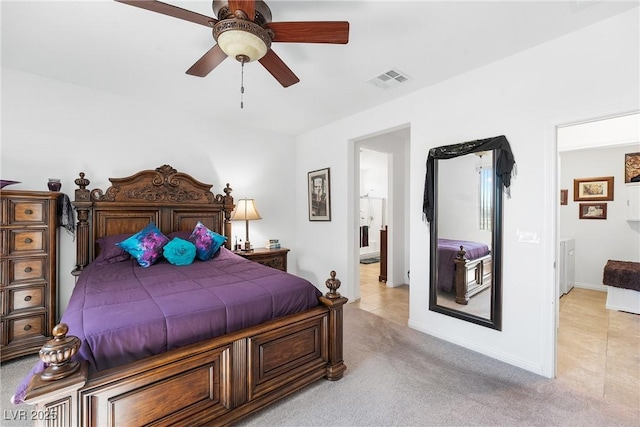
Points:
(485, 179)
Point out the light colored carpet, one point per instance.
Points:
(400, 377)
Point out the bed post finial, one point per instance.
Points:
(58, 353)
(333, 284)
(82, 193)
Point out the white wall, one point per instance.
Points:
(53, 129)
(598, 240)
(593, 72)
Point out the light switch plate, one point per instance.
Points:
(528, 236)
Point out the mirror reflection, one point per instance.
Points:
(465, 239)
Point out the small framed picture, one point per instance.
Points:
(632, 167)
(593, 189)
(564, 196)
(593, 210)
(319, 195)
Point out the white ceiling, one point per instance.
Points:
(132, 52)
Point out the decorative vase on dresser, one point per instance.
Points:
(28, 271)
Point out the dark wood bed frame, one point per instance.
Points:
(213, 382)
(471, 276)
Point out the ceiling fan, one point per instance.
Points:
(243, 30)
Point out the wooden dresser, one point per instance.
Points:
(274, 258)
(28, 246)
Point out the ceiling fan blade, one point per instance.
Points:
(247, 6)
(169, 10)
(278, 69)
(208, 62)
(311, 32)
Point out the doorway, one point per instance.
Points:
(381, 210)
(585, 338)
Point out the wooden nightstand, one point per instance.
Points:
(274, 258)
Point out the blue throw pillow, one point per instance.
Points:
(207, 242)
(179, 251)
(146, 245)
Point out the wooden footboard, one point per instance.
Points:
(471, 276)
(214, 382)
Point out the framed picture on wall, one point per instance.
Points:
(632, 167)
(593, 189)
(319, 195)
(564, 196)
(593, 211)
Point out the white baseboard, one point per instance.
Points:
(593, 287)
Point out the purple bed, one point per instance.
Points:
(123, 313)
(447, 251)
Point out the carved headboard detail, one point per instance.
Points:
(174, 200)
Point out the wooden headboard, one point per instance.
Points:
(173, 200)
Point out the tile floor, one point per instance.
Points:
(376, 297)
(598, 349)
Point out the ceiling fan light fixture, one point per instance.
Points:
(242, 39)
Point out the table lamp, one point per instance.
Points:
(246, 210)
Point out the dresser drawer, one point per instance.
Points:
(28, 212)
(26, 327)
(27, 241)
(27, 269)
(25, 298)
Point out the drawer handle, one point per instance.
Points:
(28, 270)
(27, 327)
(27, 298)
(28, 240)
(28, 211)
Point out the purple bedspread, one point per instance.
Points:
(447, 250)
(122, 312)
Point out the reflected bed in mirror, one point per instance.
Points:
(463, 203)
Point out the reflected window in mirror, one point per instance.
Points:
(485, 190)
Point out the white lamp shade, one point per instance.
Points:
(237, 42)
(245, 210)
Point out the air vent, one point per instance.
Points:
(390, 79)
(580, 5)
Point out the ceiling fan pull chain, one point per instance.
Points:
(242, 85)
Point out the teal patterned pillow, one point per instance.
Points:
(146, 245)
(207, 242)
(179, 251)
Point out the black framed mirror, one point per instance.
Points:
(463, 202)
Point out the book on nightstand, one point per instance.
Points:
(273, 244)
